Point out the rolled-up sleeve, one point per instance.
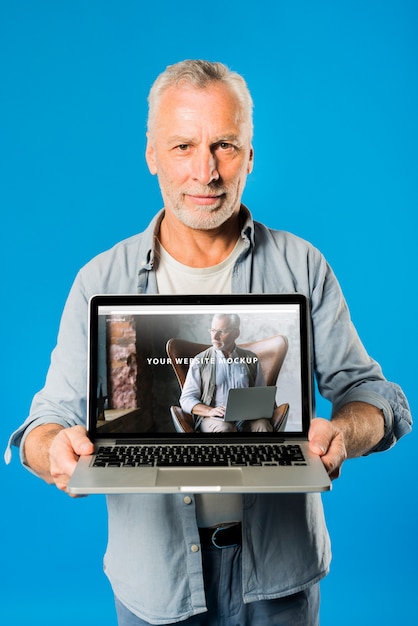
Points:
(345, 372)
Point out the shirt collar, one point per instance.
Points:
(152, 231)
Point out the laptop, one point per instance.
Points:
(135, 386)
(250, 403)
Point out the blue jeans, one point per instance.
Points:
(222, 571)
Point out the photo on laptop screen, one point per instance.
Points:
(142, 353)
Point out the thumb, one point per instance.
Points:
(319, 436)
(79, 441)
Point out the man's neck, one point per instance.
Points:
(199, 248)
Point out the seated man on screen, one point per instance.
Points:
(214, 372)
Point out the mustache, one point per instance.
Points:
(214, 188)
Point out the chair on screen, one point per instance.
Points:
(271, 353)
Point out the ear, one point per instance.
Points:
(250, 161)
(150, 156)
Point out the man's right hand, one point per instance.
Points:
(216, 411)
(53, 451)
(204, 410)
(66, 447)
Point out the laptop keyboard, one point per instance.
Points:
(206, 455)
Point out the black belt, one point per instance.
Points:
(223, 536)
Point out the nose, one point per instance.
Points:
(205, 166)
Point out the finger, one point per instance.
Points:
(65, 450)
(326, 440)
(79, 441)
(335, 457)
(320, 435)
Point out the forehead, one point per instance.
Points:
(185, 110)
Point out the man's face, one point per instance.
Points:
(222, 334)
(200, 148)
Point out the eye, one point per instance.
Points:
(226, 147)
(183, 147)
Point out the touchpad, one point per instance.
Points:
(186, 479)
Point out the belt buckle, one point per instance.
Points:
(218, 530)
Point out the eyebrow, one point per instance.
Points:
(182, 139)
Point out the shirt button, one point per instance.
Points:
(187, 500)
(195, 548)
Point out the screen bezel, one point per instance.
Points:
(149, 301)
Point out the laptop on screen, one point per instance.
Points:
(143, 352)
(250, 403)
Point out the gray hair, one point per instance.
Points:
(200, 74)
(234, 319)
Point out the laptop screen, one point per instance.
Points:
(149, 354)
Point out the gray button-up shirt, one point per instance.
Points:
(153, 557)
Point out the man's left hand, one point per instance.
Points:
(327, 440)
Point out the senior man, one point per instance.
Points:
(214, 372)
(161, 563)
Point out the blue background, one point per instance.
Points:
(335, 87)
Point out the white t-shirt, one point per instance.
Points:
(174, 277)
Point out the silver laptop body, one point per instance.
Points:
(134, 391)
